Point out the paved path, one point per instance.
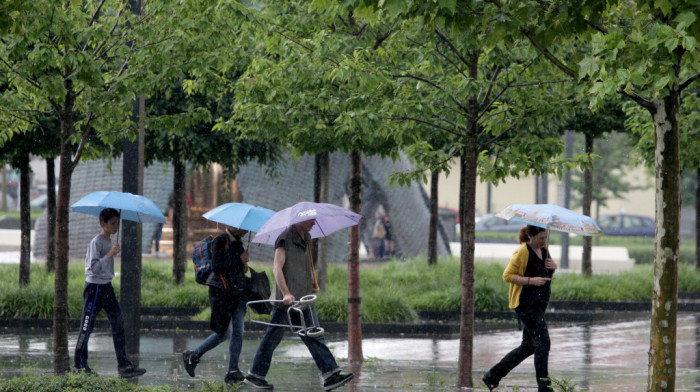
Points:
(597, 357)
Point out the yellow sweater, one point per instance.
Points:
(516, 266)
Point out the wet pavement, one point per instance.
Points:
(595, 356)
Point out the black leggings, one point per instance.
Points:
(535, 341)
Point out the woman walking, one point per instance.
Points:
(529, 273)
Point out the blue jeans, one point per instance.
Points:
(234, 331)
(157, 236)
(273, 336)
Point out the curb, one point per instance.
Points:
(433, 323)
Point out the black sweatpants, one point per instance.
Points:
(95, 298)
(535, 341)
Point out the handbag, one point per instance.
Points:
(259, 290)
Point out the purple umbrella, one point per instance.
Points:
(329, 219)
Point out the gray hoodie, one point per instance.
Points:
(98, 267)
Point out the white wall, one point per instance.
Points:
(522, 191)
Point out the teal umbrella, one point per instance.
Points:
(131, 207)
(240, 215)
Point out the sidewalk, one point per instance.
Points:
(597, 356)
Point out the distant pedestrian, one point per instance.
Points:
(158, 232)
(293, 280)
(388, 237)
(227, 296)
(378, 236)
(99, 294)
(529, 273)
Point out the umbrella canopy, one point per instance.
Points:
(329, 219)
(551, 216)
(240, 215)
(131, 207)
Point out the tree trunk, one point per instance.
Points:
(433, 229)
(467, 213)
(50, 215)
(662, 351)
(354, 302)
(320, 245)
(179, 221)
(60, 303)
(586, 264)
(25, 221)
(131, 234)
(697, 219)
(3, 205)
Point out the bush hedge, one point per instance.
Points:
(391, 293)
(90, 383)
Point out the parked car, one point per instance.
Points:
(491, 222)
(38, 202)
(629, 225)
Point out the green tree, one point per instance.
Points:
(179, 131)
(646, 52)
(482, 94)
(602, 173)
(17, 152)
(81, 61)
(612, 161)
(301, 90)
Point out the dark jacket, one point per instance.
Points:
(228, 270)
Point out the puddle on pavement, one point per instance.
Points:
(597, 357)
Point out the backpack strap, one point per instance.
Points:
(228, 241)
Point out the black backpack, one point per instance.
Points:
(259, 289)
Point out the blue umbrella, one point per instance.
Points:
(551, 216)
(131, 207)
(329, 218)
(240, 215)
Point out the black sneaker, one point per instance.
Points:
(190, 362)
(130, 371)
(85, 370)
(257, 382)
(490, 384)
(337, 380)
(234, 377)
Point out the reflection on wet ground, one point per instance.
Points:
(597, 357)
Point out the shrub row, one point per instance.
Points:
(90, 383)
(394, 292)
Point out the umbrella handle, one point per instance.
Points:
(314, 285)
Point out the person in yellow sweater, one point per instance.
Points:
(529, 273)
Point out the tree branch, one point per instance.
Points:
(380, 39)
(689, 81)
(111, 31)
(596, 26)
(28, 80)
(83, 138)
(431, 83)
(449, 43)
(641, 101)
(306, 47)
(490, 89)
(552, 58)
(421, 121)
(97, 11)
(452, 63)
(497, 137)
